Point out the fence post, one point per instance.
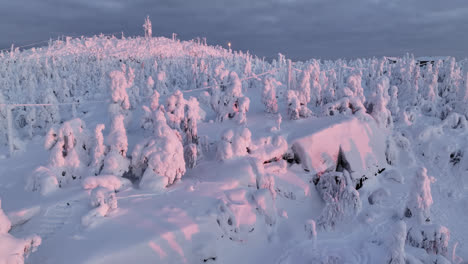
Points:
(289, 74)
(10, 130)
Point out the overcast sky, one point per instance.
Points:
(300, 29)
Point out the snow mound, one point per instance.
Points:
(361, 144)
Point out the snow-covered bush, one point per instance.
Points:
(159, 160)
(190, 121)
(175, 110)
(228, 101)
(378, 101)
(121, 81)
(99, 150)
(70, 148)
(234, 144)
(433, 238)
(420, 201)
(103, 201)
(43, 180)
(396, 243)
(14, 250)
(269, 95)
(296, 109)
(116, 161)
(342, 201)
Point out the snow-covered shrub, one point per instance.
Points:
(269, 95)
(43, 180)
(396, 243)
(159, 160)
(378, 101)
(121, 81)
(190, 121)
(296, 109)
(228, 99)
(420, 201)
(378, 196)
(47, 116)
(14, 250)
(116, 161)
(341, 199)
(175, 110)
(244, 105)
(234, 144)
(110, 182)
(70, 149)
(103, 201)
(345, 106)
(99, 150)
(433, 238)
(393, 103)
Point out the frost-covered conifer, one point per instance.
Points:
(161, 85)
(269, 95)
(244, 105)
(100, 150)
(116, 161)
(159, 160)
(149, 86)
(148, 28)
(191, 118)
(420, 201)
(70, 149)
(121, 81)
(378, 101)
(234, 144)
(175, 110)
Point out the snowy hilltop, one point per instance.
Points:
(156, 150)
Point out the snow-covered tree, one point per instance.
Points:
(148, 28)
(420, 201)
(396, 243)
(159, 160)
(191, 118)
(70, 148)
(269, 95)
(342, 201)
(99, 151)
(234, 144)
(116, 161)
(378, 101)
(121, 81)
(175, 110)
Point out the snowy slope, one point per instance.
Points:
(154, 150)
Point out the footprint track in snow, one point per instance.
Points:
(55, 218)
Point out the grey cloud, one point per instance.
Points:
(300, 29)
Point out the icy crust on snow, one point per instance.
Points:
(360, 145)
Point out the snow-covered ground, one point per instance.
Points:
(152, 150)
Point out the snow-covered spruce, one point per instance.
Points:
(116, 161)
(420, 200)
(158, 161)
(70, 149)
(342, 201)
